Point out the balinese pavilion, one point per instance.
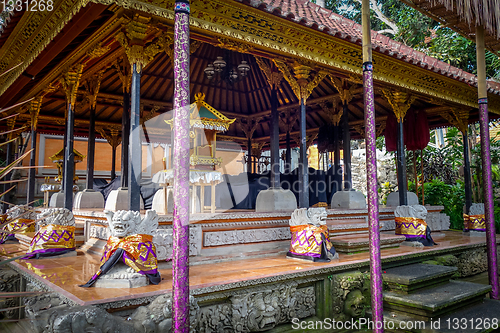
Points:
(218, 84)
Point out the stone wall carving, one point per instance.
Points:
(21, 211)
(229, 237)
(351, 295)
(58, 216)
(100, 232)
(9, 282)
(472, 262)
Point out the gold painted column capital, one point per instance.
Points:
(133, 40)
(34, 108)
(346, 91)
(273, 78)
(71, 82)
(92, 86)
(301, 83)
(114, 139)
(400, 102)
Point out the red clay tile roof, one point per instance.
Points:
(321, 19)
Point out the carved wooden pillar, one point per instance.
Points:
(249, 128)
(123, 69)
(302, 87)
(92, 87)
(180, 224)
(400, 103)
(486, 163)
(133, 40)
(288, 119)
(376, 284)
(346, 93)
(9, 159)
(34, 109)
(71, 82)
(114, 140)
(273, 79)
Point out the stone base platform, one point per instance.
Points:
(232, 234)
(226, 289)
(360, 242)
(409, 278)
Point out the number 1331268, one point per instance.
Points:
(27, 5)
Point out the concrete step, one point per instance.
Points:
(355, 243)
(436, 301)
(409, 278)
(478, 318)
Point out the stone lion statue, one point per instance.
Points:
(21, 211)
(312, 216)
(123, 223)
(58, 216)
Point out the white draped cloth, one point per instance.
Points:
(195, 177)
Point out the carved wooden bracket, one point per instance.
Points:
(346, 91)
(301, 85)
(400, 102)
(113, 138)
(273, 78)
(250, 126)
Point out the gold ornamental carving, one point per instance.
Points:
(288, 119)
(310, 137)
(133, 41)
(71, 81)
(458, 118)
(301, 85)
(113, 137)
(400, 102)
(250, 126)
(346, 91)
(232, 45)
(124, 73)
(273, 78)
(97, 51)
(11, 123)
(334, 113)
(360, 129)
(92, 87)
(34, 108)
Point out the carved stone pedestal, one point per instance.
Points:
(275, 200)
(89, 199)
(118, 200)
(348, 200)
(57, 200)
(393, 199)
(122, 276)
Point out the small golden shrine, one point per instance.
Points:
(205, 122)
(58, 159)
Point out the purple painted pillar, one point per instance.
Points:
(371, 173)
(180, 261)
(491, 245)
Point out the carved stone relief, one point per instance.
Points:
(351, 295)
(216, 238)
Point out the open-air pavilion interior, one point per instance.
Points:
(263, 78)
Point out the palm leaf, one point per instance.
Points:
(14, 130)
(10, 69)
(11, 166)
(6, 261)
(11, 116)
(4, 193)
(16, 105)
(13, 181)
(7, 142)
